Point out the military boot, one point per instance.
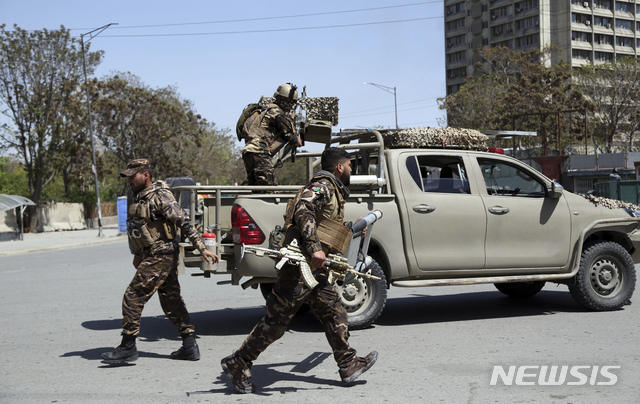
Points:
(239, 371)
(357, 367)
(125, 352)
(189, 350)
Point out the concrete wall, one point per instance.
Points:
(61, 216)
(92, 222)
(53, 217)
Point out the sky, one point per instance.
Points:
(223, 55)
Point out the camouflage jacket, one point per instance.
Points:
(273, 123)
(322, 198)
(162, 206)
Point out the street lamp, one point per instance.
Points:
(390, 90)
(93, 34)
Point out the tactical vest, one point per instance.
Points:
(331, 231)
(145, 227)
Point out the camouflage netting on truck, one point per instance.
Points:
(320, 108)
(422, 137)
(610, 203)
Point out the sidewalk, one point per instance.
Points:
(55, 240)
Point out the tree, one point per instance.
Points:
(476, 104)
(614, 88)
(134, 121)
(292, 173)
(13, 179)
(40, 71)
(515, 90)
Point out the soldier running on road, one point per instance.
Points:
(321, 199)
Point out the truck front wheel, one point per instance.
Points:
(606, 278)
(364, 298)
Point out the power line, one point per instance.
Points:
(272, 18)
(352, 115)
(379, 108)
(274, 30)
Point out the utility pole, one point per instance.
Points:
(390, 90)
(94, 168)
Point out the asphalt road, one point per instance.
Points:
(61, 310)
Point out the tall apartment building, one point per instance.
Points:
(583, 30)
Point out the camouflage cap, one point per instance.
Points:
(134, 166)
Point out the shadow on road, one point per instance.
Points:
(421, 308)
(236, 321)
(416, 309)
(267, 375)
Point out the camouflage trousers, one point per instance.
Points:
(259, 168)
(155, 273)
(288, 294)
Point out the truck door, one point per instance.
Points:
(446, 221)
(525, 228)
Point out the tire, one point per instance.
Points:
(606, 278)
(363, 298)
(520, 289)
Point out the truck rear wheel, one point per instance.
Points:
(520, 289)
(364, 298)
(606, 278)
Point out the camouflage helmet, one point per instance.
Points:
(288, 91)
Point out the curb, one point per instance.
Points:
(82, 243)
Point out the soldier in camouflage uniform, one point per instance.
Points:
(266, 133)
(321, 199)
(151, 225)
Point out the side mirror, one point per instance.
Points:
(555, 190)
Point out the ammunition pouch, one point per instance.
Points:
(334, 235)
(139, 235)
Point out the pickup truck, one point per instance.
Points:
(451, 216)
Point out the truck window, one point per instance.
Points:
(444, 174)
(505, 179)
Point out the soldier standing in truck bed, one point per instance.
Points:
(265, 132)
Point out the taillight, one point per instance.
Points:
(248, 231)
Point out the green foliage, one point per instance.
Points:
(515, 90)
(42, 93)
(614, 89)
(134, 121)
(292, 173)
(13, 178)
(40, 72)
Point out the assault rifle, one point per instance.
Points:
(337, 265)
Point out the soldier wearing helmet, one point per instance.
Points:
(266, 131)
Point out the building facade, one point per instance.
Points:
(583, 30)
